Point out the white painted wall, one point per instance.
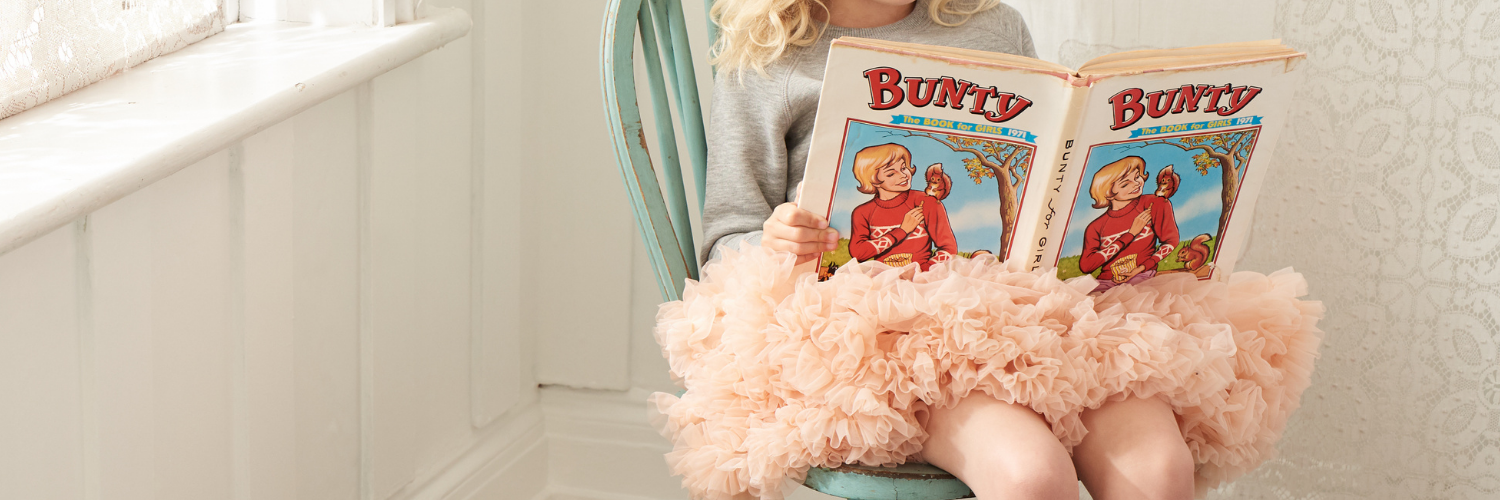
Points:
(329, 309)
(579, 227)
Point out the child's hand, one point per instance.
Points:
(1140, 223)
(914, 218)
(792, 229)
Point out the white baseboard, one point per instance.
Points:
(508, 462)
(601, 447)
(573, 445)
(570, 493)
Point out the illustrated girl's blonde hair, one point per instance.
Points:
(869, 160)
(1104, 180)
(752, 33)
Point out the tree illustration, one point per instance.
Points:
(1003, 161)
(1226, 151)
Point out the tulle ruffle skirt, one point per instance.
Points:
(785, 373)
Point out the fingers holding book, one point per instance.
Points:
(791, 229)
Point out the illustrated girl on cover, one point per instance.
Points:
(899, 225)
(1134, 233)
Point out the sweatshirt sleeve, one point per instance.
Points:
(1024, 38)
(863, 245)
(1099, 249)
(1006, 23)
(747, 155)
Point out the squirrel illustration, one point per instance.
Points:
(938, 183)
(1166, 182)
(1195, 253)
(827, 272)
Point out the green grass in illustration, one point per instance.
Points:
(1067, 267)
(837, 257)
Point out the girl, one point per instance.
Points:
(899, 225)
(770, 57)
(1134, 233)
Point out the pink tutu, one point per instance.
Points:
(783, 373)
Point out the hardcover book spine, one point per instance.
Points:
(1059, 189)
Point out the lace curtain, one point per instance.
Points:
(51, 47)
(1384, 191)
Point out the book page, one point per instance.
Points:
(919, 158)
(1225, 50)
(1179, 62)
(965, 54)
(1172, 164)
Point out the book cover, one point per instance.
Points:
(1140, 166)
(1188, 149)
(920, 158)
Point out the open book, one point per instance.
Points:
(1138, 164)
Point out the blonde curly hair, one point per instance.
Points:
(753, 33)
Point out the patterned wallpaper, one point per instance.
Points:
(1391, 168)
(1384, 193)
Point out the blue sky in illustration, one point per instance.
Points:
(973, 210)
(1196, 205)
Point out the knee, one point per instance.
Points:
(1050, 481)
(1164, 471)
(1029, 478)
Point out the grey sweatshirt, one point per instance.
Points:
(760, 127)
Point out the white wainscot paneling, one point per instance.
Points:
(500, 357)
(41, 435)
(354, 304)
(419, 319)
(159, 288)
(326, 284)
(300, 316)
(300, 424)
(579, 224)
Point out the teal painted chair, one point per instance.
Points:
(662, 214)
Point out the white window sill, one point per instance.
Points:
(71, 156)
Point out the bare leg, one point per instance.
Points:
(1000, 450)
(1134, 450)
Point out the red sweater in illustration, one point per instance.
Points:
(1108, 239)
(877, 233)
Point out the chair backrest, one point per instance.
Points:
(661, 214)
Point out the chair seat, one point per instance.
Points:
(912, 481)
